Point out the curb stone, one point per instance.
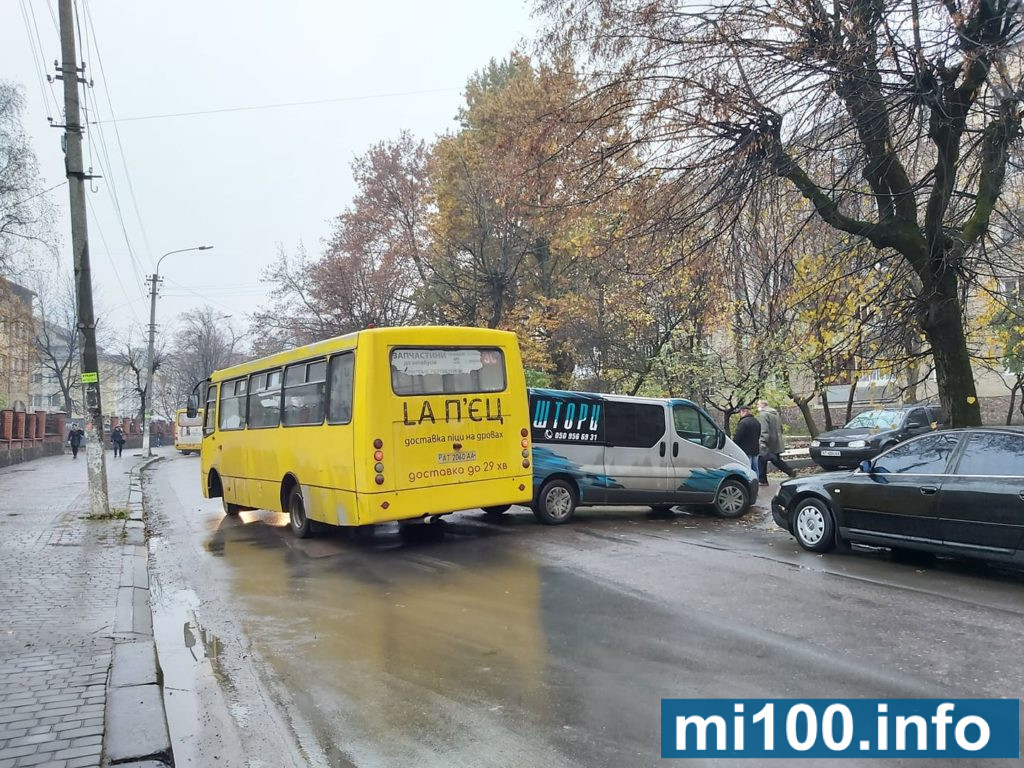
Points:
(136, 723)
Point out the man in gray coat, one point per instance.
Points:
(772, 444)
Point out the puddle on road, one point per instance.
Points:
(395, 651)
(190, 660)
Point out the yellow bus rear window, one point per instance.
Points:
(447, 371)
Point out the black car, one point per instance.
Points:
(871, 432)
(957, 491)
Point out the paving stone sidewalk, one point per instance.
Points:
(70, 592)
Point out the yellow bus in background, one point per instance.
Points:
(188, 431)
(381, 425)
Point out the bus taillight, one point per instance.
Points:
(378, 443)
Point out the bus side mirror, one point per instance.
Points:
(192, 407)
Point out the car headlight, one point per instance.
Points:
(858, 443)
(815, 443)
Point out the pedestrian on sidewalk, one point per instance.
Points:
(772, 444)
(75, 439)
(748, 436)
(117, 438)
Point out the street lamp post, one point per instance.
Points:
(147, 395)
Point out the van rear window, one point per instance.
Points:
(447, 371)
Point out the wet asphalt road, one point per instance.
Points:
(516, 644)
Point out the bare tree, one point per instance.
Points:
(56, 338)
(205, 342)
(895, 122)
(25, 213)
(131, 355)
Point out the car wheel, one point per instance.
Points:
(497, 511)
(229, 508)
(814, 526)
(301, 525)
(556, 503)
(732, 499)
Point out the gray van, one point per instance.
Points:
(596, 450)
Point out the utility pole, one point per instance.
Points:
(95, 458)
(147, 397)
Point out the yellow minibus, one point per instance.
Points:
(188, 431)
(381, 425)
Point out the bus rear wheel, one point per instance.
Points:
(229, 508)
(300, 524)
(498, 511)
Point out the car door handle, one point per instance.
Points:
(675, 449)
(661, 449)
(929, 490)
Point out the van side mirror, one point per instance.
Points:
(192, 407)
(866, 468)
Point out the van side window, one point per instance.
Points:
(633, 425)
(694, 426)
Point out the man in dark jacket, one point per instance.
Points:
(75, 439)
(748, 435)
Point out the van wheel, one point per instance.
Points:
(301, 525)
(497, 511)
(732, 499)
(229, 508)
(556, 503)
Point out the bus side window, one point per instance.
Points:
(232, 404)
(211, 406)
(339, 409)
(265, 399)
(304, 393)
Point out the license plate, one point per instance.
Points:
(451, 458)
(831, 453)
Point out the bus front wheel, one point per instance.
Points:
(301, 525)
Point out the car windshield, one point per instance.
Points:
(876, 419)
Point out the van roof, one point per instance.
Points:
(605, 396)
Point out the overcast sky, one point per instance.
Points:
(242, 181)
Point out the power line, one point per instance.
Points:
(37, 194)
(38, 56)
(283, 105)
(201, 296)
(117, 133)
(106, 250)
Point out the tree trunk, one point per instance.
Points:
(1013, 402)
(944, 329)
(827, 408)
(849, 399)
(803, 403)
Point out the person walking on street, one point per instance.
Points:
(772, 444)
(117, 438)
(748, 436)
(75, 439)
